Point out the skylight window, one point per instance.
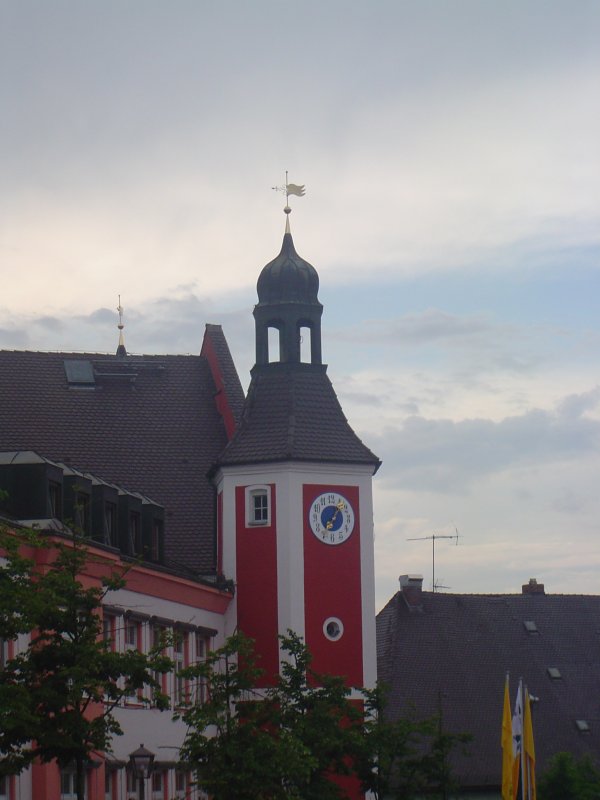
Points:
(582, 725)
(554, 673)
(79, 373)
(530, 626)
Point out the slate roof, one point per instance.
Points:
(148, 424)
(292, 413)
(457, 649)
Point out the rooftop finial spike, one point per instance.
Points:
(289, 188)
(121, 351)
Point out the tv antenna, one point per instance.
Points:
(433, 538)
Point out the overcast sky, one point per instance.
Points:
(450, 152)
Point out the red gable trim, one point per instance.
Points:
(221, 400)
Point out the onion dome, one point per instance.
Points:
(288, 278)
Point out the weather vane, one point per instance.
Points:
(289, 188)
(121, 351)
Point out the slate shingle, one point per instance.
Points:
(456, 654)
(157, 434)
(292, 413)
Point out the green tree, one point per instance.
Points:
(437, 763)
(406, 757)
(57, 696)
(230, 744)
(568, 779)
(318, 721)
(286, 741)
(301, 737)
(391, 761)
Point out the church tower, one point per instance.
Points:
(295, 509)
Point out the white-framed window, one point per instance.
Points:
(181, 784)
(158, 636)
(110, 776)
(68, 784)
(132, 785)
(333, 628)
(180, 662)
(159, 781)
(110, 524)
(135, 533)
(109, 625)
(201, 649)
(132, 637)
(131, 634)
(258, 505)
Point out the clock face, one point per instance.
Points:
(331, 518)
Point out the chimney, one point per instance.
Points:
(533, 587)
(411, 587)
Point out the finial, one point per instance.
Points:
(121, 351)
(289, 188)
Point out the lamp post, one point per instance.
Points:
(141, 761)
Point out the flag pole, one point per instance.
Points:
(506, 741)
(524, 795)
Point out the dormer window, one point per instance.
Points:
(55, 499)
(155, 545)
(110, 524)
(135, 533)
(258, 505)
(81, 512)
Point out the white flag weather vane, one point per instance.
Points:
(290, 189)
(293, 188)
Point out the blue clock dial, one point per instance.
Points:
(331, 518)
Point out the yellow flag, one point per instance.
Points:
(529, 790)
(507, 747)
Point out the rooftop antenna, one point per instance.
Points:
(289, 188)
(433, 539)
(121, 351)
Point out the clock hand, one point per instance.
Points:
(339, 507)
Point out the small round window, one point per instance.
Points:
(333, 629)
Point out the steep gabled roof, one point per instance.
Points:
(453, 654)
(292, 414)
(147, 423)
(230, 395)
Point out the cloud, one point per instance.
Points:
(448, 456)
(14, 338)
(431, 325)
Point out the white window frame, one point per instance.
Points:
(130, 623)
(158, 794)
(180, 645)
(109, 781)
(201, 648)
(259, 490)
(181, 793)
(70, 773)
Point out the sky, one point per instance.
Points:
(450, 153)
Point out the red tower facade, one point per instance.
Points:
(294, 488)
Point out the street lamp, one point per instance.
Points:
(141, 761)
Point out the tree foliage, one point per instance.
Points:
(304, 736)
(287, 741)
(568, 779)
(406, 757)
(58, 694)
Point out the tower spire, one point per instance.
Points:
(121, 351)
